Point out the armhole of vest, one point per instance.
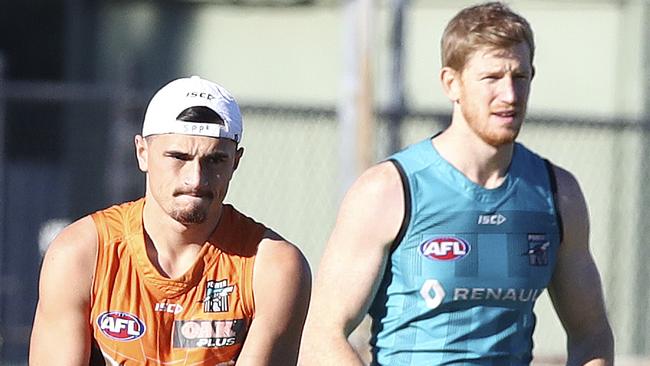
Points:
(102, 235)
(553, 182)
(407, 205)
(246, 289)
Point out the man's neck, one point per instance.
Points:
(480, 162)
(172, 247)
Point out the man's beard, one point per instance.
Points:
(194, 215)
(489, 136)
(497, 140)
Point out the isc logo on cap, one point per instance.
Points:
(121, 326)
(445, 248)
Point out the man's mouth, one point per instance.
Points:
(194, 194)
(505, 114)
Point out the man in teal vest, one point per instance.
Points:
(448, 243)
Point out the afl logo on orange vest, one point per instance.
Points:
(446, 248)
(121, 326)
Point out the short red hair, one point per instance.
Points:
(493, 25)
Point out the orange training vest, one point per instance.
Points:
(139, 317)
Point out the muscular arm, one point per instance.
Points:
(352, 265)
(575, 288)
(61, 332)
(281, 287)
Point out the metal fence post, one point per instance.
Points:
(2, 195)
(642, 345)
(396, 104)
(120, 146)
(355, 109)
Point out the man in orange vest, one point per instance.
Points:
(176, 277)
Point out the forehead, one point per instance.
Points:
(516, 57)
(191, 143)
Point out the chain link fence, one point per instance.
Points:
(289, 179)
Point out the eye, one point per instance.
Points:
(490, 77)
(217, 159)
(178, 156)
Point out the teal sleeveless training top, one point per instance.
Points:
(468, 264)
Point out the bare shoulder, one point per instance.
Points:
(377, 193)
(281, 257)
(281, 290)
(281, 285)
(381, 182)
(60, 334)
(373, 209)
(572, 208)
(575, 288)
(567, 184)
(71, 255)
(77, 241)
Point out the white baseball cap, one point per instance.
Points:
(172, 99)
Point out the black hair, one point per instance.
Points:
(200, 114)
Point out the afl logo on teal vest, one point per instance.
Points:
(445, 248)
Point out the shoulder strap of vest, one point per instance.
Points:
(553, 181)
(407, 205)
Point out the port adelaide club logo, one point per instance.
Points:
(121, 326)
(445, 248)
(537, 252)
(216, 298)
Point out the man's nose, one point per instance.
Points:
(194, 174)
(508, 90)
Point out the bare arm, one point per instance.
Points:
(576, 289)
(352, 266)
(61, 332)
(281, 287)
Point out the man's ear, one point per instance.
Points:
(450, 80)
(532, 75)
(238, 155)
(141, 149)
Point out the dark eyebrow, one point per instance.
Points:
(181, 154)
(176, 153)
(218, 154)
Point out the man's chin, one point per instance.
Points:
(189, 220)
(500, 141)
(189, 217)
(502, 138)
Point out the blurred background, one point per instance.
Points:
(326, 87)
